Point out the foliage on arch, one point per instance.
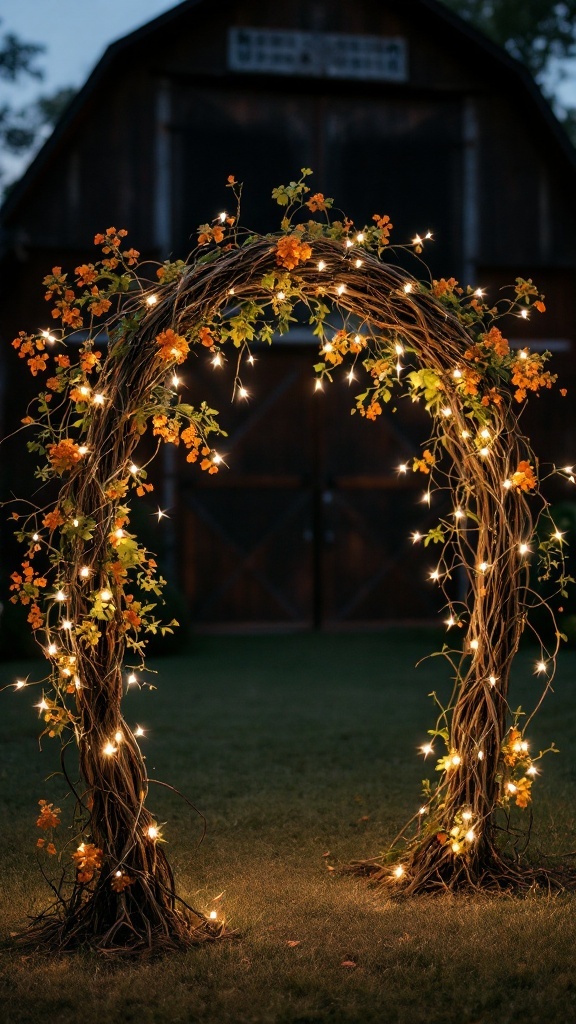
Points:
(92, 592)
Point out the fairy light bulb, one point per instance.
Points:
(119, 533)
(84, 572)
(139, 731)
(457, 374)
(474, 645)
(351, 376)
(105, 595)
(48, 337)
(416, 536)
(470, 835)
(485, 432)
(531, 770)
(67, 625)
(417, 240)
(321, 265)
(426, 749)
(358, 264)
(75, 523)
(108, 749)
(403, 467)
(217, 361)
(222, 216)
(213, 915)
(557, 535)
(340, 289)
(280, 295)
(133, 468)
(455, 760)
(132, 679)
(408, 288)
(492, 680)
(318, 386)
(41, 705)
(483, 567)
(35, 536)
(19, 684)
(479, 292)
(523, 549)
(217, 459)
(84, 390)
(480, 755)
(434, 575)
(426, 498)
(176, 380)
(348, 243)
(507, 484)
(398, 871)
(98, 398)
(465, 434)
(523, 354)
(360, 236)
(251, 359)
(511, 787)
(541, 666)
(118, 737)
(456, 847)
(151, 300)
(52, 649)
(83, 449)
(152, 831)
(242, 392)
(466, 815)
(446, 411)
(398, 349)
(59, 595)
(451, 621)
(428, 235)
(422, 810)
(524, 314)
(458, 513)
(484, 452)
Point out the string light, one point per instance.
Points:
(511, 787)
(426, 749)
(35, 536)
(151, 300)
(251, 359)
(341, 289)
(75, 523)
(351, 376)
(434, 575)
(84, 390)
(105, 595)
(139, 731)
(524, 314)
(484, 452)
(480, 755)
(398, 871)
(398, 349)
(523, 354)
(67, 625)
(360, 236)
(470, 836)
(318, 386)
(59, 595)
(446, 411)
(19, 684)
(152, 832)
(466, 815)
(119, 737)
(321, 265)
(403, 467)
(507, 484)
(52, 649)
(176, 380)
(523, 549)
(133, 468)
(161, 514)
(217, 361)
(217, 459)
(358, 264)
(455, 760)
(242, 392)
(213, 915)
(483, 567)
(531, 770)
(48, 337)
(541, 666)
(423, 810)
(132, 679)
(42, 705)
(465, 434)
(280, 295)
(485, 432)
(416, 536)
(492, 680)
(99, 399)
(83, 449)
(222, 216)
(557, 535)
(119, 533)
(451, 621)
(458, 513)
(457, 373)
(479, 293)
(348, 243)
(109, 749)
(408, 288)
(84, 572)
(474, 645)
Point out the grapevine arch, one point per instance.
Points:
(123, 894)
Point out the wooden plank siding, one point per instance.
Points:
(309, 525)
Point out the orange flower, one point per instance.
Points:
(87, 274)
(121, 881)
(48, 817)
(131, 256)
(495, 340)
(51, 849)
(316, 202)
(38, 363)
(53, 519)
(112, 239)
(424, 463)
(524, 479)
(523, 795)
(88, 360)
(88, 860)
(172, 347)
(385, 226)
(290, 251)
(64, 455)
(207, 234)
(63, 361)
(373, 410)
(35, 617)
(168, 430)
(99, 304)
(445, 286)
(205, 335)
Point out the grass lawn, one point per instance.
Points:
(294, 746)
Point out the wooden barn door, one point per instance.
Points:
(310, 523)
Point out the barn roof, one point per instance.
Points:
(519, 77)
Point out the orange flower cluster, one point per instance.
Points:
(385, 226)
(207, 234)
(64, 455)
(495, 340)
(522, 794)
(445, 286)
(528, 375)
(89, 360)
(206, 337)
(34, 348)
(168, 430)
(373, 410)
(53, 519)
(425, 463)
(316, 203)
(172, 347)
(131, 618)
(66, 309)
(88, 860)
(121, 881)
(26, 584)
(35, 617)
(524, 478)
(290, 251)
(43, 845)
(86, 274)
(48, 817)
(194, 442)
(111, 242)
(98, 304)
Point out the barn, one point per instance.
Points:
(400, 108)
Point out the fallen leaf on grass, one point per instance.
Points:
(293, 942)
(348, 963)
